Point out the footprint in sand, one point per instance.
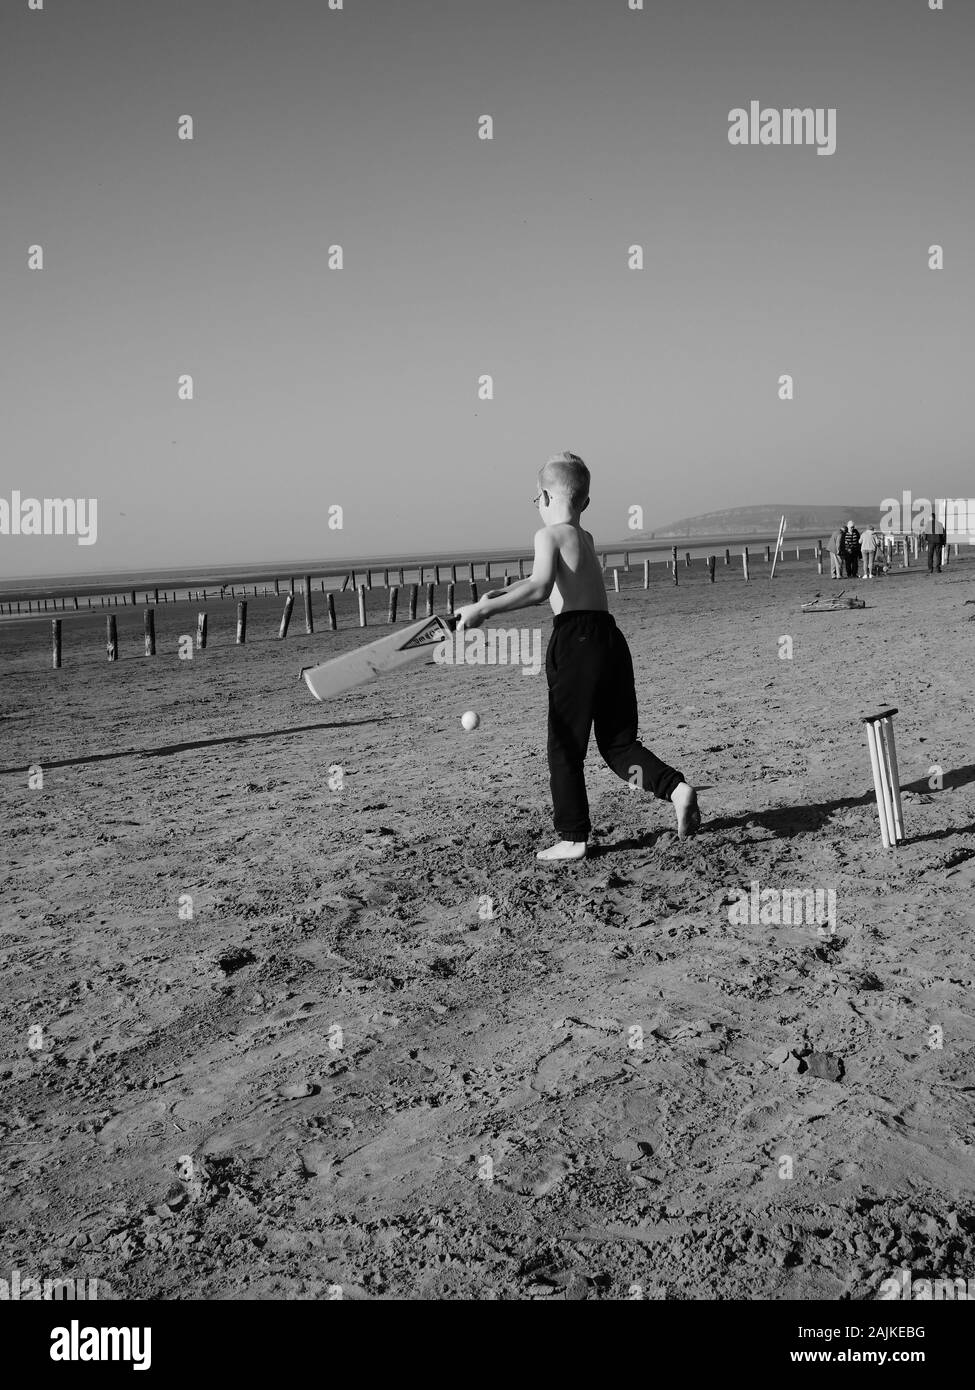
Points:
(534, 1176)
(580, 1060)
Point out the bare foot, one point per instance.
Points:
(684, 798)
(565, 849)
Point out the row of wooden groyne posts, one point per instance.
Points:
(907, 544)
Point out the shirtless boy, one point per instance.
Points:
(588, 664)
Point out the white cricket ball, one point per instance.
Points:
(470, 720)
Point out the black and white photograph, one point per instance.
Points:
(487, 630)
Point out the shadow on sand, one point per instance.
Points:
(166, 750)
(787, 821)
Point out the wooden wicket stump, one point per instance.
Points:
(886, 778)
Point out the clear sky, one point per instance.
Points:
(359, 387)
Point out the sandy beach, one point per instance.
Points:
(390, 1054)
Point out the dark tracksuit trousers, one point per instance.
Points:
(590, 683)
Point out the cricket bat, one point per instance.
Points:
(379, 658)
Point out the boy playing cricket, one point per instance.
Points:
(588, 664)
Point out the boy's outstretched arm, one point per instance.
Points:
(523, 594)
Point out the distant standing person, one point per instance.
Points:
(934, 540)
(850, 550)
(833, 546)
(868, 545)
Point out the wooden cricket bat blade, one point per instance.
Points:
(378, 658)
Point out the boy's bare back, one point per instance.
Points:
(578, 573)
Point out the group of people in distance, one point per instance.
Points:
(849, 549)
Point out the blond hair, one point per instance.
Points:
(567, 475)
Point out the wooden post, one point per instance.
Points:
(362, 605)
(450, 594)
(133, 598)
(687, 559)
(473, 589)
(907, 555)
(819, 557)
(241, 622)
(414, 590)
(277, 588)
(487, 569)
(453, 574)
(149, 624)
(289, 603)
(616, 580)
(778, 547)
(430, 591)
(711, 568)
(330, 607)
(797, 553)
(368, 579)
(768, 554)
(727, 556)
(56, 643)
(521, 569)
(399, 578)
(744, 561)
(393, 600)
(436, 574)
(385, 579)
(112, 638)
(76, 596)
(646, 574)
(309, 618)
(673, 556)
(155, 595)
(626, 562)
(201, 631)
(508, 579)
(471, 571)
(345, 584)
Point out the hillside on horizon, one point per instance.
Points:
(762, 519)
